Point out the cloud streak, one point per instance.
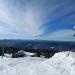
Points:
(60, 35)
(36, 19)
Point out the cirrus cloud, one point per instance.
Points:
(30, 18)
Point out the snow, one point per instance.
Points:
(26, 53)
(62, 63)
(30, 54)
(8, 55)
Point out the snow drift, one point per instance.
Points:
(62, 63)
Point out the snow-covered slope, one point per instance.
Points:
(62, 63)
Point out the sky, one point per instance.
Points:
(37, 19)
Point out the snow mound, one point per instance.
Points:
(63, 62)
(25, 66)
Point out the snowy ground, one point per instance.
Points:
(62, 63)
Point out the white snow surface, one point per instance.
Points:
(62, 63)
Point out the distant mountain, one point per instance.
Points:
(42, 44)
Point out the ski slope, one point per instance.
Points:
(62, 63)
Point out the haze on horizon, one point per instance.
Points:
(37, 19)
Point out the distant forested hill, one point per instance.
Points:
(43, 44)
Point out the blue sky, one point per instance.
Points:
(37, 19)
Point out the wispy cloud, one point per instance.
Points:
(27, 22)
(64, 35)
(29, 18)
